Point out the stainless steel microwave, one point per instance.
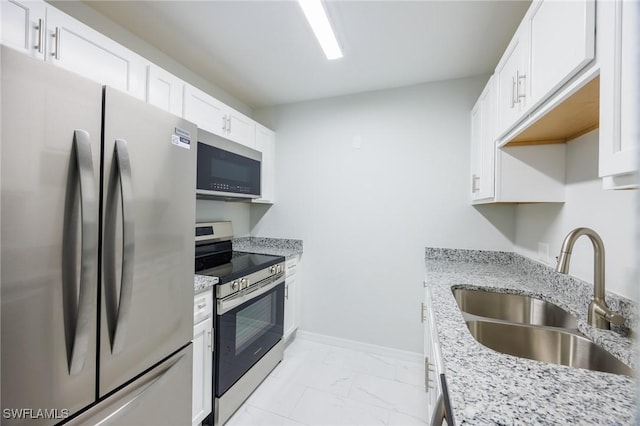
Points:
(226, 170)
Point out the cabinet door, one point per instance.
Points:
(265, 143)
(204, 110)
(164, 90)
(24, 26)
(430, 375)
(511, 74)
(562, 42)
(241, 129)
(202, 370)
(619, 56)
(79, 48)
(483, 145)
(476, 143)
(290, 324)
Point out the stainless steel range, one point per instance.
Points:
(249, 317)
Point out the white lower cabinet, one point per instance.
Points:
(619, 56)
(432, 358)
(291, 296)
(202, 356)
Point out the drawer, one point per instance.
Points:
(290, 266)
(202, 306)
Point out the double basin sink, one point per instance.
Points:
(532, 328)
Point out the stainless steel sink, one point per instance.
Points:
(513, 308)
(546, 344)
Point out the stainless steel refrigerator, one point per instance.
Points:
(97, 227)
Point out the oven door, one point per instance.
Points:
(245, 333)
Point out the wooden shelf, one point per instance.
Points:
(577, 115)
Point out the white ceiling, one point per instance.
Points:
(264, 53)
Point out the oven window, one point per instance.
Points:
(253, 321)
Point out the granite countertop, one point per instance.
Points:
(273, 246)
(488, 387)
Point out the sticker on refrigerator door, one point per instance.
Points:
(181, 141)
(182, 132)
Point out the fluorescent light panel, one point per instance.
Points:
(317, 17)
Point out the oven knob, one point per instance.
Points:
(273, 269)
(278, 269)
(243, 283)
(234, 286)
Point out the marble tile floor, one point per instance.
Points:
(319, 384)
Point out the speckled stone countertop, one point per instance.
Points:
(490, 388)
(202, 283)
(274, 246)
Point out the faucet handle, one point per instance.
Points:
(614, 318)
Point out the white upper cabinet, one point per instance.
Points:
(562, 42)
(554, 42)
(164, 90)
(240, 128)
(79, 48)
(214, 116)
(24, 26)
(42, 31)
(483, 144)
(619, 56)
(204, 110)
(265, 143)
(511, 74)
(518, 174)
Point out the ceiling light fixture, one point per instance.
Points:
(317, 17)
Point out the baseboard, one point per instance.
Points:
(361, 346)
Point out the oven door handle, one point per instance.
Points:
(225, 305)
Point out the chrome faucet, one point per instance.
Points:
(599, 314)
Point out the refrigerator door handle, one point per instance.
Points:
(118, 313)
(84, 311)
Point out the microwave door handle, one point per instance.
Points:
(120, 314)
(84, 311)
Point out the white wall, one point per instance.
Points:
(610, 213)
(236, 212)
(368, 181)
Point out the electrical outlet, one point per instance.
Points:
(543, 252)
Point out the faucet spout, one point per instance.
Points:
(599, 314)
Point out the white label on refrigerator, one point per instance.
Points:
(181, 141)
(182, 132)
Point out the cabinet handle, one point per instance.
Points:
(423, 309)
(475, 183)
(513, 92)
(427, 379)
(519, 95)
(40, 28)
(229, 123)
(286, 292)
(224, 123)
(201, 305)
(210, 333)
(56, 35)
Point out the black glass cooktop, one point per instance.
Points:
(238, 266)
